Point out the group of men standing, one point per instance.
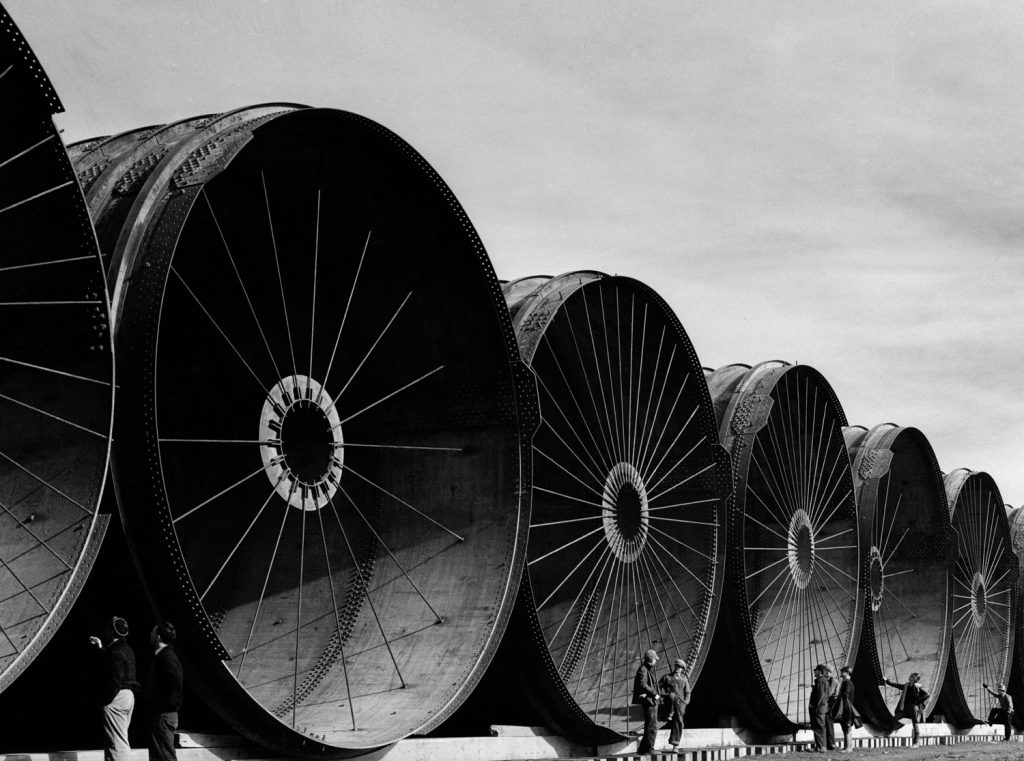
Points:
(162, 690)
(829, 703)
(671, 693)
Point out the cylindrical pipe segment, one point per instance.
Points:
(323, 452)
(905, 525)
(984, 585)
(793, 594)
(626, 540)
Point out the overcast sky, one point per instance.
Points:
(835, 183)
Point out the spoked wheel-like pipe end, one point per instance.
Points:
(324, 447)
(905, 524)
(626, 538)
(984, 584)
(793, 595)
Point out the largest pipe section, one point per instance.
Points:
(322, 455)
(905, 526)
(984, 580)
(56, 367)
(792, 596)
(626, 539)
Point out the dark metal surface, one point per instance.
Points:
(56, 367)
(984, 581)
(792, 590)
(1015, 518)
(626, 539)
(905, 526)
(322, 460)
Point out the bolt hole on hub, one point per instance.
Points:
(626, 534)
(905, 525)
(325, 428)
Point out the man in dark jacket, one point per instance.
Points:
(163, 693)
(118, 682)
(911, 703)
(818, 707)
(645, 693)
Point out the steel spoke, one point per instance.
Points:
(220, 330)
(401, 501)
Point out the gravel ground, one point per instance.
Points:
(988, 751)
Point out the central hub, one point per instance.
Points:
(979, 599)
(876, 578)
(301, 442)
(306, 441)
(624, 512)
(800, 548)
(628, 511)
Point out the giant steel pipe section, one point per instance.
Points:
(793, 595)
(324, 436)
(905, 526)
(56, 367)
(627, 535)
(329, 443)
(984, 587)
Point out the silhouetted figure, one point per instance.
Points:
(118, 682)
(645, 693)
(163, 692)
(1003, 713)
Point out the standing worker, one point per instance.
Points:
(163, 692)
(675, 688)
(1004, 712)
(911, 704)
(844, 711)
(645, 693)
(118, 683)
(818, 707)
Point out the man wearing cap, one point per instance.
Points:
(645, 693)
(118, 683)
(818, 707)
(911, 703)
(1004, 712)
(675, 689)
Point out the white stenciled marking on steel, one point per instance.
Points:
(800, 548)
(624, 512)
(305, 454)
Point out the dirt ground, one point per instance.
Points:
(982, 751)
